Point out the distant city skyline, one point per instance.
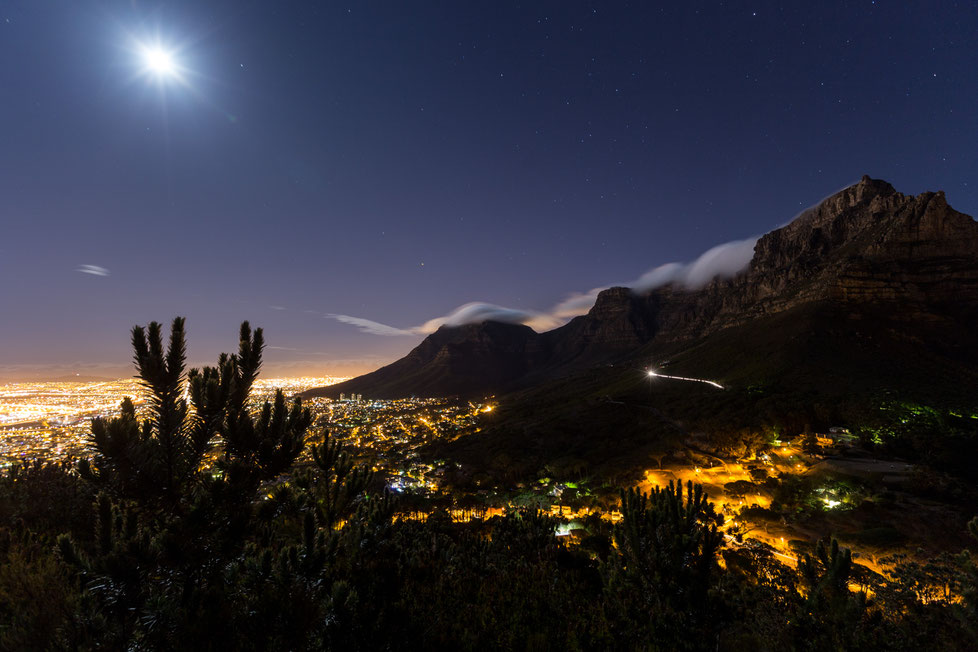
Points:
(349, 177)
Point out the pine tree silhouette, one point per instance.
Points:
(667, 545)
(159, 459)
(173, 529)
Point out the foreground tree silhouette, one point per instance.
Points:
(181, 543)
(660, 579)
(158, 460)
(830, 615)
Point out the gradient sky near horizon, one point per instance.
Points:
(392, 161)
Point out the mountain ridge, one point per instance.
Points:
(865, 248)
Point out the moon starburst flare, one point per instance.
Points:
(159, 61)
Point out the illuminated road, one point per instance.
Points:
(653, 374)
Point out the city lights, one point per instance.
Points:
(50, 420)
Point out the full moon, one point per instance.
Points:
(160, 62)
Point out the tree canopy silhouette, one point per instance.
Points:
(159, 458)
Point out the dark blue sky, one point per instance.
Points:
(394, 160)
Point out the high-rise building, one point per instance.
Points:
(342, 396)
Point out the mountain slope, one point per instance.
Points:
(813, 366)
(463, 360)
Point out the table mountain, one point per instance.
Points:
(868, 262)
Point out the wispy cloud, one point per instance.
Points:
(576, 304)
(469, 313)
(94, 270)
(477, 312)
(370, 326)
(723, 261)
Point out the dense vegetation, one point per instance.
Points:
(191, 528)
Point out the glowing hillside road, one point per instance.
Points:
(653, 374)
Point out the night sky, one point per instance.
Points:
(392, 161)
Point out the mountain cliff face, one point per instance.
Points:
(866, 245)
(866, 249)
(618, 322)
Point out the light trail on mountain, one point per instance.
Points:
(653, 374)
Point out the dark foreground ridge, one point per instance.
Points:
(200, 523)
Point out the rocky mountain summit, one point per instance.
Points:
(866, 250)
(867, 244)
